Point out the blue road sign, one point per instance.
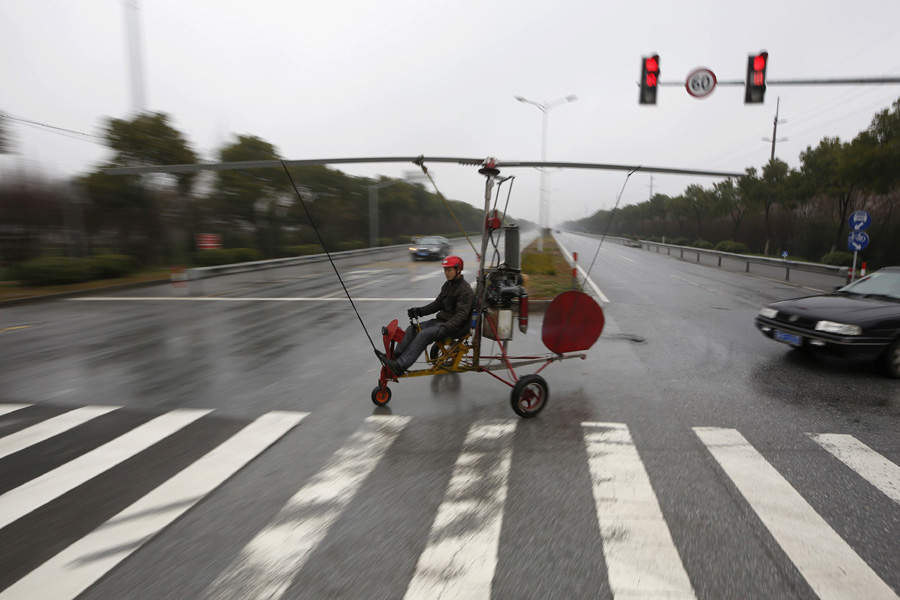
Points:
(860, 220)
(857, 240)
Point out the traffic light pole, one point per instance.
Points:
(846, 81)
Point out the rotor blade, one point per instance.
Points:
(272, 164)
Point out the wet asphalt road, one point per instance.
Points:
(679, 352)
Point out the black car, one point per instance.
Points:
(861, 320)
(432, 247)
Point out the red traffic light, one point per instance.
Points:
(759, 62)
(755, 87)
(649, 79)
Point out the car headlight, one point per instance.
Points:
(412, 248)
(769, 313)
(841, 328)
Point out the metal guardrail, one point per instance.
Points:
(787, 265)
(310, 263)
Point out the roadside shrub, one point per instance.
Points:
(349, 245)
(54, 270)
(733, 247)
(111, 266)
(838, 259)
(403, 239)
(212, 257)
(239, 255)
(387, 242)
(682, 241)
(305, 250)
(702, 244)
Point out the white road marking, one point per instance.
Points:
(593, 285)
(461, 555)
(267, 565)
(77, 567)
(640, 555)
(625, 257)
(873, 467)
(358, 287)
(50, 428)
(427, 275)
(5, 409)
(29, 496)
(695, 283)
(825, 560)
(246, 299)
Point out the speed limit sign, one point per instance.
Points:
(700, 83)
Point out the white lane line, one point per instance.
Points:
(694, 283)
(427, 275)
(358, 287)
(5, 409)
(29, 496)
(246, 299)
(77, 567)
(873, 467)
(268, 564)
(461, 555)
(625, 257)
(641, 557)
(825, 560)
(593, 285)
(50, 428)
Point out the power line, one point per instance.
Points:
(53, 128)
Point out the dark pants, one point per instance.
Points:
(413, 344)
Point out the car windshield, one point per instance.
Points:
(432, 241)
(880, 283)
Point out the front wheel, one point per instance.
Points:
(892, 359)
(529, 396)
(381, 395)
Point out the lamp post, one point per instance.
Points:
(543, 208)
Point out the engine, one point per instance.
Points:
(505, 297)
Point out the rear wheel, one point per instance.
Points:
(892, 359)
(381, 395)
(529, 396)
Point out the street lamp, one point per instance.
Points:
(543, 207)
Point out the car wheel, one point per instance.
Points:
(892, 359)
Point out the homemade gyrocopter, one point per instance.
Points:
(572, 322)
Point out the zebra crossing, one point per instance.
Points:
(459, 559)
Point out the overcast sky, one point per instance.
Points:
(355, 78)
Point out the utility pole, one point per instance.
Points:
(133, 33)
(775, 131)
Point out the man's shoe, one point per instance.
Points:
(390, 363)
(394, 366)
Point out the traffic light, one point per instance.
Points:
(649, 79)
(755, 90)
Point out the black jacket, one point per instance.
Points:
(453, 305)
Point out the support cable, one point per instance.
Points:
(608, 223)
(328, 254)
(420, 161)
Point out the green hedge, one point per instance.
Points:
(60, 270)
(111, 266)
(838, 259)
(226, 256)
(305, 250)
(733, 247)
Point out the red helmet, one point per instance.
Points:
(453, 261)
